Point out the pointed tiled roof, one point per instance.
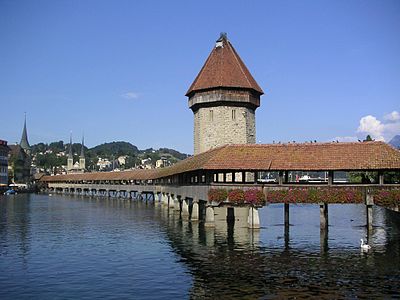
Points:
(224, 68)
(24, 139)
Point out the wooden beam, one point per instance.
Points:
(330, 177)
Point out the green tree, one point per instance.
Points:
(368, 139)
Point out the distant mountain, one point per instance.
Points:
(395, 141)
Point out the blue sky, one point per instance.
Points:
(119, 70)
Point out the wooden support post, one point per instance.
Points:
(369, 202)
(286, 214)
(243, 177)
(330, 177)
(286, 176)
(323, 213)
(381, 178)
(369, 217)
(255, 177)
(280, 179)
(324, 240)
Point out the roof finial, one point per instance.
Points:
(220, 42)
(222, 36)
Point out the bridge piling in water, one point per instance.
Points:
(210, 218)
(286, 214)
(323, 213)
(185, 209)
(195, 211)
(369, 202)
(171, 203)
(253, 220)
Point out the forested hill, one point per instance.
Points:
(115, 148)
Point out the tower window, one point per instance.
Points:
(233, 114)
(211, 115)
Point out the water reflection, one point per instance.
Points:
(15, 226)
(80, 247)
(232, 262)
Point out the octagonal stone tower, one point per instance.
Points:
(223, 98)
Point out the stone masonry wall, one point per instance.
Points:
(220, 125)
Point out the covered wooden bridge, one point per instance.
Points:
(272, 169)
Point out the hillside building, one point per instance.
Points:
(223, 97)
(4, 150)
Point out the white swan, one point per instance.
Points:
(364, 246)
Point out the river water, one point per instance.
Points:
(63, 247)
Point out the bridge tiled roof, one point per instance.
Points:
(295, 156)
(224, 68)
(274, 157)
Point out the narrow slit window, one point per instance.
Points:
(233, 114)
(211, 115)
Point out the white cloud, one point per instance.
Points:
(380, 130)
(394, 116)
(130, 95)
(372, 126)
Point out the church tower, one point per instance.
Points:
(24, 144)
(70, 159)
(223, 97)
(82, 161)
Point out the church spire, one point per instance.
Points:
(82, 160)
(70, 159)
(83, 147)
(24, 139)
(70, 147)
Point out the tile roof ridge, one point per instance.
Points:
(239, 63)
(306, 144)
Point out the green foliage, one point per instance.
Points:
(114, 150)
(49, 160)
(41, 147)
(153, 156)
(392, 177)
(57, 146)
(363, 177)
(173, 153)
(368, 138)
